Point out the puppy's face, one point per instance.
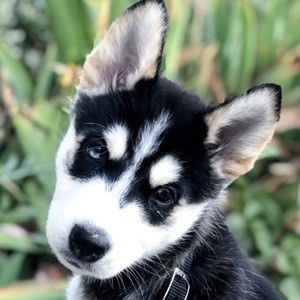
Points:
(143, 162)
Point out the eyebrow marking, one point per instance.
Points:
(116, 138)
(164, 171)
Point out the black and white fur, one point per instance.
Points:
(142, 169)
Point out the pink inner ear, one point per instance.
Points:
(239, 129)
(231, 137)
(127, 66)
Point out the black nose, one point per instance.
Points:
(88, 244)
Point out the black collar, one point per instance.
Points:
(179, 286)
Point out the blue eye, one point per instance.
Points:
(95, 153)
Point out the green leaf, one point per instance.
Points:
(290, 287)
(176, 37)
(270, 150)
(263, 240)
(249, 41)
(11, 268)
(271, 31)
(71, 26)
(22, 213)
(232, 51)
(43, 83)
(118, 7)
(19, 243)
(39, 139)
(17, 72)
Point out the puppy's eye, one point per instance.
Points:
(165, 196)
(94, 153)
(95, 150)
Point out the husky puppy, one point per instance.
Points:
(142, 169)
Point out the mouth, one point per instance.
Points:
(73, 263)
(67, 256)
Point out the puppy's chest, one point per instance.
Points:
(115, 294)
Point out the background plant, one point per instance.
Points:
(216, 48)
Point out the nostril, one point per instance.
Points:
(88, 244)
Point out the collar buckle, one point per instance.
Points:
(180, 273)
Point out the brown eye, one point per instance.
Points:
(165, 196)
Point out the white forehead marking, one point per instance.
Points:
(149, 137)
(165, 171)
(116, 140)
(148, 143)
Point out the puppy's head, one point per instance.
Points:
(144, 162)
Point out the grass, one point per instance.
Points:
(215, 48)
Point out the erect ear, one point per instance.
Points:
(130, 51)
(240, 128)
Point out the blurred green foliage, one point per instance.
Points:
(216, 48)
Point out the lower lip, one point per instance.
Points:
(73, 263)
